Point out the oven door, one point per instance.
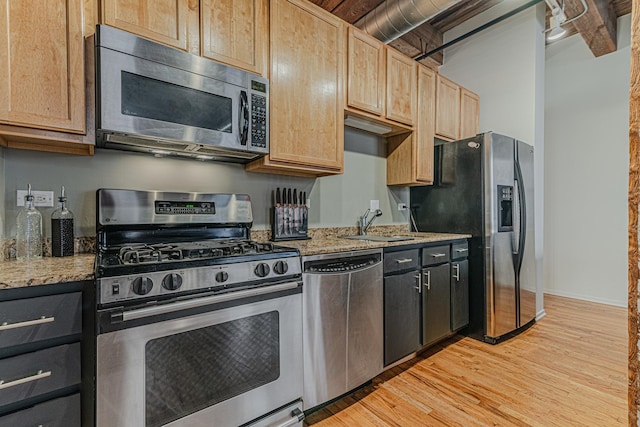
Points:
(220, 360)
(139, 97)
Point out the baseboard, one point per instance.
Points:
(586, 298)
(540, 314)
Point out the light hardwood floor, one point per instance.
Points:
(569, 369)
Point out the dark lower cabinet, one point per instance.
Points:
(436, 309)
(401, 315)
(40, 355)
(62, 412)
(459, 294)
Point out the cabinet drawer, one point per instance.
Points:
(33, 374)
(35, 319)
(63, 412)
(435, 255)
(459, 250)
(401, 260)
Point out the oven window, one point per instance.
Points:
(158, 100)
(192, 370)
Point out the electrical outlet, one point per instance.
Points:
(402, 206)
(40, 198)
(374, 204)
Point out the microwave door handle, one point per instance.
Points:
(244, 118)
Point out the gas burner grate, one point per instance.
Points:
(147, 253)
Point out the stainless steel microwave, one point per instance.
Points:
(156, 99)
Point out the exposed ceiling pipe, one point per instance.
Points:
(394, 18)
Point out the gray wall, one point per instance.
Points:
(586, 164)
(335, 200)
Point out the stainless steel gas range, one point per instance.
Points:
(196, 324)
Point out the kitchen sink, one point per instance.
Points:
(379, 238)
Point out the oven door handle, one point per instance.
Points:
(199, 302)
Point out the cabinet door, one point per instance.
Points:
(307, 68)
(42, 57)
(401, 87)
(469, 113)
(235, 32)
(436, 301)
(366, 72)
(401, 316)
(425, 127)
(164, 21)
(447, 109)
(459, 294)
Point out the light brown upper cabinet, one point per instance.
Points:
(410, 156)
(366, 82)
(235, 32)
(306, 91)
(401, 84)
(457, 111)
(42, 77)
(164, 21)
(447, 109)
(380, 83)
(469, 113)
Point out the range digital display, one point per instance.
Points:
(182, 208)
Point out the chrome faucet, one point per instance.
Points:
(363, 225)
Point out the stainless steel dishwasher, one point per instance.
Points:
(342, 323)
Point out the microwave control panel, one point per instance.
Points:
(258, 120)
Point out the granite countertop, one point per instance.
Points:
(47, 270)
(328, 243)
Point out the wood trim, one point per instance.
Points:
(266, 165)
(50, 146)
(634, 200)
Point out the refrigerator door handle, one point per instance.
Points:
(522, 218)
(515, 236)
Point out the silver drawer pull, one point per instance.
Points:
(456, 274)
(38, 376)
(438, 255)
(427, 279)
(6, 326)
(404, 260)
(462, 250)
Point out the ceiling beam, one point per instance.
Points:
(597, 27)
(460, 12)
(352, 10)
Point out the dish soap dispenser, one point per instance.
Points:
(29, 234)
(62, 229)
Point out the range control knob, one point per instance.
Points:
(222, 277)
(262, 269)
(142, 285)
(280, 267)
(172, 282)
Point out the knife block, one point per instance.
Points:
(289, 223)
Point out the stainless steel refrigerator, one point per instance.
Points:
(483, 186)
